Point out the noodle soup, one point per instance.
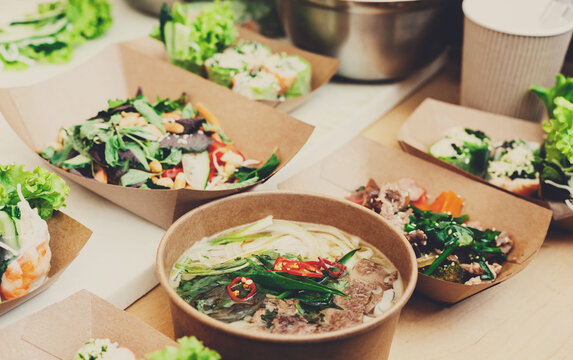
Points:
(287, 277)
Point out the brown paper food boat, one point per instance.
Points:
(362, 159)
(323, 67)
(432, 118)
(37, 112)
(67, 238)
(367, 341)
(60, 330)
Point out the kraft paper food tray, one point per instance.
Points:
(432, 118)
(37, 112)
(361, 159)
(60, 330)
(323, 67)
(67, 238)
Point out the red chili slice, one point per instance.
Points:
(296, 267)
(239, 285)
(326, 264)
(172, 173)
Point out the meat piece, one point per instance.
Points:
(414, 191)
(370, 273)
(287, 319)
(363, 299)
(473, 268)
(292, 324)
(504, 242)
(417, 237)
(398, 220)
(396, 197)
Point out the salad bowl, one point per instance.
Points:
(37, 113)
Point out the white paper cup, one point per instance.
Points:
(510, 45)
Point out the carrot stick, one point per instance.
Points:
(212, 119)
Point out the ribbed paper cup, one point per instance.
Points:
(509, 46)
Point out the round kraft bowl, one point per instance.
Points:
(371, 340)
(374, 40)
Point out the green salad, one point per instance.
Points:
(206, 45)
(166, 144)
(556, 172)
(49, 33)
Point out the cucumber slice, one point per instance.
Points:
(77, 161)
(16, 33)
(196, 168)
(8, 231)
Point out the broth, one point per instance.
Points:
(287, 277)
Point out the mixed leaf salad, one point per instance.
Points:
(204, 45)
(49, 32)
(189, 349)
(511, 164)
(446, 245)
(556, 169)
(27, 199)
(165, 145)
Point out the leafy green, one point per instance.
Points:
(189, 349)
(450, 235)
(50, 34)
(190, 41)
(246, 173)
(556, 170)
(563, 88)
(134, 177)
(44, 190)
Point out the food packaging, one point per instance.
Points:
(323, 67)
(67, 238)
(58, 331)
(429, 122)
(510, 46)
(362, 159)
(37, 112)
(367, 341)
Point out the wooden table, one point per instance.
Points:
(529, 316)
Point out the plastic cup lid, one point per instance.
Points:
(522, 17)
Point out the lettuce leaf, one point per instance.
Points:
(190, 41)
(53, 32)
(556, 172)
(44, 190)
(563, 88)
(189, 349)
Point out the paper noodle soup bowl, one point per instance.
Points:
(371, 340)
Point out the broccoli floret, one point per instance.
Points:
(450, 272)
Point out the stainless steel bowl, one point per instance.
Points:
(374, 40)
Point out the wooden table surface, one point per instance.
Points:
(530, 316)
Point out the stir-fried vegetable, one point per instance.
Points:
(448, 234)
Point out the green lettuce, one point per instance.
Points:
(556, 169)
(189, 349)
(50, 34)
(563, 88)
(190, 41)
(44, 190)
